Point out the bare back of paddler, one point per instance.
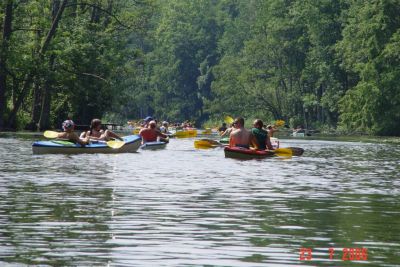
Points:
(240, 137)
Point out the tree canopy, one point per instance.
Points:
(316, 63)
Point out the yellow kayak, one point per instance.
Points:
(186, 133)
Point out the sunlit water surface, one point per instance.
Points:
(185, 207)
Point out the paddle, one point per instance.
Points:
(283, 152)
(115, 143)
(206, 143)
(289, 151)
(50, 134)
(279, 123)
(228, 120)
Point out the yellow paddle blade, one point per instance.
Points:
(228, 120)
(115, 143)
(202, 144)
(279, 123)
(50, 134)
(284, 152)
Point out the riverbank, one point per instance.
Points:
(342, 138)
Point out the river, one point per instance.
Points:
(337, 205)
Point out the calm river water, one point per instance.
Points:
(187, 207)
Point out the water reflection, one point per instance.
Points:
(185, 207)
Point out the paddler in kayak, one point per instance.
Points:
(151, 133)
(228, 131)
(222, 129)
(271, 129)
(69, 134)
(98, 134)
(241, 137)
(261, 135)
(164, 128)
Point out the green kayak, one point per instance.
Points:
(224, 140)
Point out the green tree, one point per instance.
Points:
(369, 52)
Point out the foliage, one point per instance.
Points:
(317, 63)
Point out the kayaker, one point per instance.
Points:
(97, 133)
(69, 134)
(261, 135)
(151, 133)
(146, 121)
(241, 137)
(271, 129)
(164, 127)
(228, 131)
(223, 128)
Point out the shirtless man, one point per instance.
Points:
(151, 133)
(240, 136)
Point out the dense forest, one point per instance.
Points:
(324, 64)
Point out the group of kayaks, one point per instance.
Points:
(132, 143)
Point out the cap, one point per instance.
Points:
(148, 118)
(67, 124)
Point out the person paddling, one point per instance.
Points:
(151, 133)
(261, 135)
(69, 134)
(241, 137)
(97, 133)
(222, 129)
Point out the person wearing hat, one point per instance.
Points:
(146, 121)
(151, 133)
(69, 134)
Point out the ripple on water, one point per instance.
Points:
(185, 207)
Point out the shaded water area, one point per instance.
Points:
(185, 207)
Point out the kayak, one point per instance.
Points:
(246, 153)
(224, 140)
(298, 134)
(207, 131)
(132, 144)
(153, 145)
(274, 141)
(186, 133)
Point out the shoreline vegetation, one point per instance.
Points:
(314, 64)
(319, 136)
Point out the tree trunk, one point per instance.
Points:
(43, 49)
(44, 121)
(36, 107)
(8, 12)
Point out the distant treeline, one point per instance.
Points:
(332, 64)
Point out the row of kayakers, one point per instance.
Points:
(256, 138)
(224, 131)
(96, 133)
(163, 126)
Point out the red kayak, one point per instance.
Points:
(246, 153)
